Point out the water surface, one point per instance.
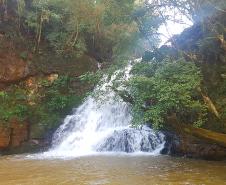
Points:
(111, 170)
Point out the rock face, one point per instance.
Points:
(4, 137)
(12, 68)
(185, 140)
(193, 147)
(13, 135)
(19, 133)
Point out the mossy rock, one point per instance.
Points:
(37, 131)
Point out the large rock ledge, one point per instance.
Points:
(184, 140)
(192, 147)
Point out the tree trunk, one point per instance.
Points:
(73, 39)
(212, 108)
(76, 35)
(39, 33)
(204, 134)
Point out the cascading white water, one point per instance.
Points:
(103, 126)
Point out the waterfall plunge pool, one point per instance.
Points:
(111, 170)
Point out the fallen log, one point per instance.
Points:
(203, 134)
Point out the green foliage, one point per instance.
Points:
(117, 12)
(57, 100)
(73, 27)
(91, 77)
(195, 10)
(24, 55)
(167, 88)
(13, 104)
(49, 105)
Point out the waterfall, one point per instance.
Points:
(104, 125)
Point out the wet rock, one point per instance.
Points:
(192, 147)
(13, 135)
(132, 140)
(19, 133)
(4, 137)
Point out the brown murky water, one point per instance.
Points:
(111, 170)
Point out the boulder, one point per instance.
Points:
(132, 140)
(185, 140)
(192, 147)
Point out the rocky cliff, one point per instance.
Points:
(31, 85)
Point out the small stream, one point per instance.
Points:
(111, 170)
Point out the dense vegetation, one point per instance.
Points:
(166, 87)
(43, 107)
(61, 36)
(180, 79)
(102, 28)
(186, 79)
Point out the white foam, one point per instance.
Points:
(93, 122)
